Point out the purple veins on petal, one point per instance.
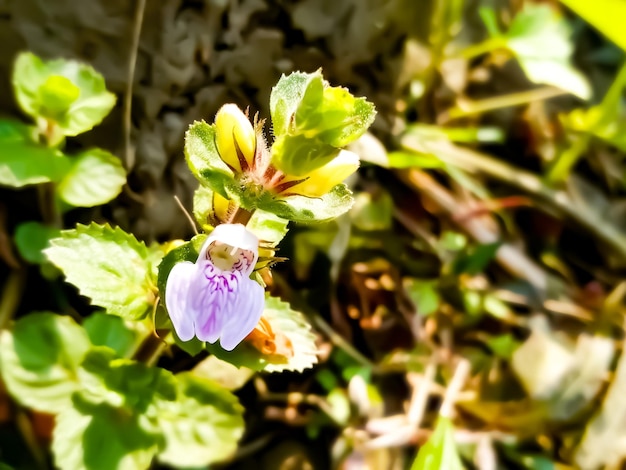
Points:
(214, 298)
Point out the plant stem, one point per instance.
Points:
(11, 295)
(240, 216)
(469, 107)
(608, 109)
(473, 161)
(151, 349)
(129, 155)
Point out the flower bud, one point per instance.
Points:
(323, 179)
(235, 137)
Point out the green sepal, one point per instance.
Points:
(283, 320)
(311, 120)
(107, 265)
(205, 162)
(43, 90)
(307, 209)
(95, 177)
(40, 358)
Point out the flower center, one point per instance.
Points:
(229, 258)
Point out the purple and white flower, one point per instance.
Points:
(214, 298)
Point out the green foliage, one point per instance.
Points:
(205, 162)
(440, 450)
(202, 426)
(527, 36)
(69, 94)
(110, 331)
(307, 210)
(39, 360)
(31, 238)
(96, 177)
(311, 120)
(107, 265)
(102, 437)
(23, 162)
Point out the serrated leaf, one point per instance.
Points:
(107, 265)
(23, 162)
(292, 91)
(96, 177)
(267, 226)
(440, 451)
(40, 358)
(306, 209)
(31, 238)
(102, 438)
(205, 162)
(202, 426)
(283, 320)
(110, 331)
(37, 86)
(311, 120)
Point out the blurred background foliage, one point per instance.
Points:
(471, 305)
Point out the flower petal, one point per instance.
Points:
(323, 179)
(210, 294)
(235, 137)
(176, 299)
(243, 314)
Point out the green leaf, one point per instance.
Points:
(57, 94)
(202, 426)
(306, 210)
(102, 438)
(424, 295)
(477, 259)
(530, 31)
(31, 238)
(372, 212)
(107, 265)
(440, 451)
(23, 162)
(403, 159)
(311, 120)
(123, 382)
(605, 15)
(283, 320)
(40, 358)
(96, 177)
(293, 91)
(267, 226)
(205, 162)
(71, 94)
(110, 331)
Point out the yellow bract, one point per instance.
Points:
(231, 125)
(325, 178)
